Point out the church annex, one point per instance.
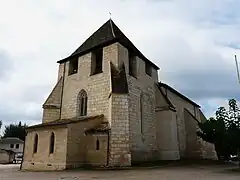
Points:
(108, 108)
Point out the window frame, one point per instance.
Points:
(148, 69)
(17, 146)
(82, 103)
(97, 61)
(73, 63)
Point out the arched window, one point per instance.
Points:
(97, 145)
(35, 144)
(52, 141)
(82, 103)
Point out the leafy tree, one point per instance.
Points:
(233, 126)
(213, 131)
(15, 130)
(223, 131)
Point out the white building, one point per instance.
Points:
(12, 143)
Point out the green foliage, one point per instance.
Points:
(15, 130)
(223, 131)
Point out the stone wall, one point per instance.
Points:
(51, 107)
(43, 160)
(96, 157)
(193, 143)
(208, 149)
(119, 137)
(77, 142)
(97, 86)
(181, 104)
(143, 145)
(50, 114)
(167, 136)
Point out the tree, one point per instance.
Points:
(233, 126)
(213, 131)
(223, 131)
(15, 130)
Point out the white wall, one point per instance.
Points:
(7, 147)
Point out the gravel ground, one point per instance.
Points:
(196, 172)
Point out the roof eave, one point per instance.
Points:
(180, 94)
(87, 51)
(106, 44)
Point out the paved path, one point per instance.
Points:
(11, 172)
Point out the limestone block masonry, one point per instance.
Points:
(145, 121)
(42, 160)
(119, 141)
(97, 86)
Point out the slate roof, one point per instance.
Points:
(119, 80)
(177, 93)
(56, 101)
(65, 121)
(103, 127)
(107, 34)
(165, 97)
(11, 140)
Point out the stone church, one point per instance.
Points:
(108, 108)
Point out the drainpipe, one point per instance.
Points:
(108, 147)
(64, 69)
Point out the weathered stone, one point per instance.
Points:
(147, 122)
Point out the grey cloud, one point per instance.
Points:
(5, 64)
(9, 116)
(200, 75)
(206, 85)
(35, 93)
(27, 107)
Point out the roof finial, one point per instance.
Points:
(110, 14)
(111, 25)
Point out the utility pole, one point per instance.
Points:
(237, 68)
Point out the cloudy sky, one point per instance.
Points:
(192, 41)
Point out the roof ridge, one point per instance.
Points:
(112, 28)
(107, 34)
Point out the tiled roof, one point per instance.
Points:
(57, 94)
(11, 140)
(177, 93)
(107, 34)
(65, 121)
(103, 127)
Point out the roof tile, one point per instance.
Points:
(107, 34)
